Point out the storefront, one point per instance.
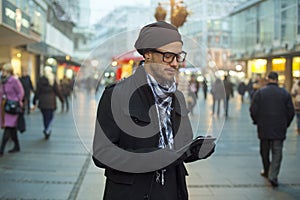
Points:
(257, 68)
(16, 33)
(286, 69)
(67, 68)
(126, 63)
(279, 66)
(296, 67)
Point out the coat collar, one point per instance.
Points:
(275, 84)
(143, 98)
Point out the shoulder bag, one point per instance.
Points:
(11, 106)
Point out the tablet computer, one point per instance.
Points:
(199, 139)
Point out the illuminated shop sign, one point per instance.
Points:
(278, 64)
(15, 18)
(258, 66)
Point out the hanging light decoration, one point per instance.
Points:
(160, 13)
(178, 14)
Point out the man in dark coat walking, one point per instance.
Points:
(272, 111)
(143, 131)
(228, 86)
(27, 86)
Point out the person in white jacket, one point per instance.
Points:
(295, 92)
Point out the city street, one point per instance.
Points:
(61, 168)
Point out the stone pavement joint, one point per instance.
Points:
(62, 169)
(241, 185)
(28, 199)
(76, 187)
(38, 181)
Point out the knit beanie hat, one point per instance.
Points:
(155, 35)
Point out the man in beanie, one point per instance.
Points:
(143, 134)
(272, 111)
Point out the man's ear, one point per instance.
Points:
(148, 56)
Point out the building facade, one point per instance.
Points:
(21, 23)
(114, 34)
(35, 33)
(266, 36)
(209, 26)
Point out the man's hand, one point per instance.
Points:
(201, 148)
(204, 148)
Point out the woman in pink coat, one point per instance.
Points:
(12, 89)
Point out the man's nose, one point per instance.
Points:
(174, 63)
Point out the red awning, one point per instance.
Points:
(127, 56)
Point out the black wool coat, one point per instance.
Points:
(133, 100)
(273, 111)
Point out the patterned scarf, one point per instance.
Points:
(163, 101)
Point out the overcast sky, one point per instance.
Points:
(100, 8)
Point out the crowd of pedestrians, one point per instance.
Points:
(271, 107)
(18, 90)
(222, 91)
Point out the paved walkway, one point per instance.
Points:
(61, 168)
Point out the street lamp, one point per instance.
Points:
(178, 12)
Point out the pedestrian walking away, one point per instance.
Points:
(27, 86)
(204, 88)
(228, 86)
(272, 111)
(241, 90)
(193, 92)
(45, 99)
(218, 94)
(65, 89)
(143, 133)
(10, 89)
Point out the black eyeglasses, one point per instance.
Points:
(168, 57)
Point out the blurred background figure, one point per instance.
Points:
(257, 84)
(250, 88)
(241, 90)
(11, 88)
(228, 85)
(65, 89)
(218, 94)
(194, 85)
(295, 92)
(27, 86)
(46, 92)
(193, 92)
(183, 85)
(204, 88)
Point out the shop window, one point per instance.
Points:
(296, 67)
(278, 64)
(258, 66)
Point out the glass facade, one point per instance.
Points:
(265, 25)
(38, 17)
(288, 16)
(268, 29)
(36, 13)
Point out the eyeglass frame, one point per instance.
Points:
(174, 55)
